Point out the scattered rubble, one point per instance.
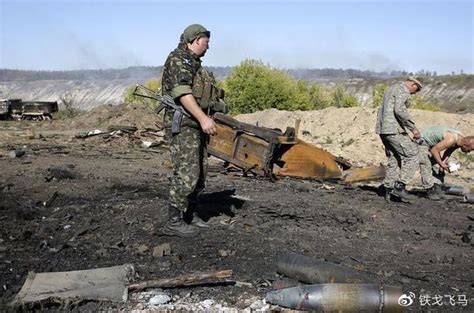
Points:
(118, 199)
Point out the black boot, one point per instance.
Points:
(384, 191)
(387, 193)
(400, 192)
(435, 192)
(191, 217)
(176, 226)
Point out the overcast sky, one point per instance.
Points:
(367, 35)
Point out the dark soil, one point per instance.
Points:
(112, 200)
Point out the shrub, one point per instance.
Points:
(420, 103)
(463, 157)
(377, 94)
(320, 97)
(69, 107)
(153, 84)
(252, 86)
(341, 99)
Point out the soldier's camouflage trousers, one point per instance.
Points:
(429, 169)
(189, 159)
(402, 154)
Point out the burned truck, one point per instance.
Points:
(16, 109)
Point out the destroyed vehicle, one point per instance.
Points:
(272, 153)
(27, 110)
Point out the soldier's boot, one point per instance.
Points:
(435, 192)
(198, 222)
(384, 191)
(191, 217)
(399, 191)
(176, 226)
(388, 193)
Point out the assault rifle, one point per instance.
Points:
(166, 102)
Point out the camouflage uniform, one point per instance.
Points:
(188, 147)
(392, 121)
(182, 75)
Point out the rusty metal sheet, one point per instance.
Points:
(241, 149)
(269, 152)
(307, 161)
(356, 175)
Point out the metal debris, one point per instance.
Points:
(271, 152)
(16, 154)
(312, 271)
(102, 284)
(162, 250)
(339, 298)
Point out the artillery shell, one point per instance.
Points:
(339, 298)
(459, 190)
(469, 198)
(311, 271)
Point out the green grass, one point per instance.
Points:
(420, 103)
(457, 79)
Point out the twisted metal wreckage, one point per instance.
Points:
(27, 110)
(270, 152)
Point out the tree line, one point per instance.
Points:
(142, 73)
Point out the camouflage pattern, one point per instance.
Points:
(429, 169)
(393, 116)
(402, 154)
(207, 94)
(393, 120)
(189, 158)
(182, 75)
(179, 72)
(188, 147)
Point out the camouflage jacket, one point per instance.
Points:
(393, 116)
(183, 74)
(179, 72)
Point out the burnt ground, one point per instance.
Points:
(112, 199)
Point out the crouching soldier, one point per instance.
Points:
(437, 143)
(193, 88)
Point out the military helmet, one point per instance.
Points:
(417, 81)
(193, 31)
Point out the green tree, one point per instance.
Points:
(252, 86)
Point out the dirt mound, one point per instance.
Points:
(136, 115)
(350, 132)
(101, 117)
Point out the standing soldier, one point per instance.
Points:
(193, 88)
(393, 120)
